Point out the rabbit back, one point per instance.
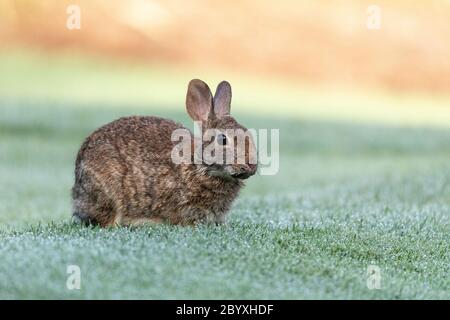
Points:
(123, 169)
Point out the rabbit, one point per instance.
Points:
(124, 173)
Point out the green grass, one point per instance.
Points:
(347, 196)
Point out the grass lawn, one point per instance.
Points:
(347, 196)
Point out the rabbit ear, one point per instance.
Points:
(222, 99)
(199, 100)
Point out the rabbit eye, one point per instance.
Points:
(221, 139)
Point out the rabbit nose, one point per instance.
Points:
(252, 167)
(246, 171)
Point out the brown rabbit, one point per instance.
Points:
(125, 175)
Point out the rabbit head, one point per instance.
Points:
(227, 148)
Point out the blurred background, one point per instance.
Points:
(298, 57)
(314, 69)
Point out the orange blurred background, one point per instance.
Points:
(318, 42)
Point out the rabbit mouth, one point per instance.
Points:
(229, 176)
(230, 172)
(242, 176)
